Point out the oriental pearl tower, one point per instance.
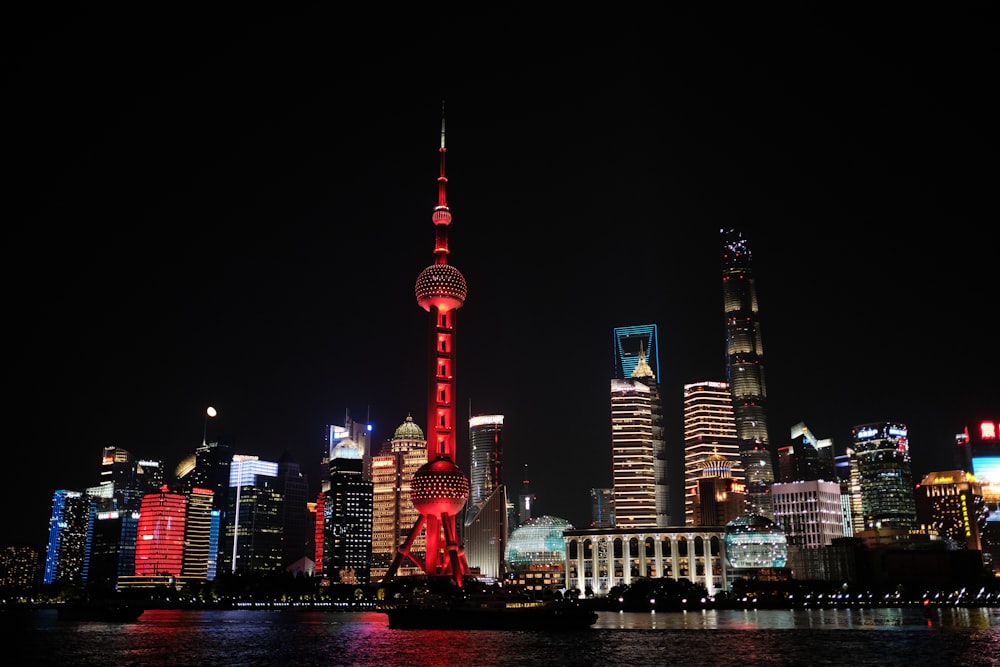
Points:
(439, 488)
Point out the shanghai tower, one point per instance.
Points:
(439, 489)
(745, 371)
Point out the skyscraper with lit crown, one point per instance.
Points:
(486, 529)
(745, 371)
(638, 457)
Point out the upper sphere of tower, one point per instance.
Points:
(441, 216)
(408, 430)
(441, 285)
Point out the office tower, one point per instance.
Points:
(809, 512)
(356, 431)
(807, 458)
(198, 557)
(709, 429)
(602, 508)
(951, 502)
(294, 520)
(485, 458)
(20, 572)
(882, 453)
(112, 547)
(393, 515)
(439, 488)
(485, 525)
(638, 449)
(207, 468)
(745, 370)
(70, 526)
(718, 498)
(252, 532)
(632, 344)
(159, 547)
(347, 516)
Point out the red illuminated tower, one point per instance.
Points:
(439, 488)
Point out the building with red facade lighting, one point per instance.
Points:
(159, 548)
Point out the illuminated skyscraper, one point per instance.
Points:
(638, 450)
(486, 513)
(745, 371)
(347, 516)
(199, 560)
(709, 429)
(159, 547)
(440, 488)
(882, 453)
(253, 533)
(69, 534)
(393, 515)
(951, 501)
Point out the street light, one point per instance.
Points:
(210, 412)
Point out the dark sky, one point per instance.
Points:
(232, 210)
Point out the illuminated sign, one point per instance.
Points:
(867, 433)
(485, 419)
(898, 432)
(988, 431)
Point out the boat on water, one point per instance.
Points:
(431, 603)
(116, 612)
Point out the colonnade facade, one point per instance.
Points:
(598, 559)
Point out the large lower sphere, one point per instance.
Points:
(439, 487)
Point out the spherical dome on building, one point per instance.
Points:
(408, 430)
(538, 541)
(753, 540)
(439, 487)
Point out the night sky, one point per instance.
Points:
(232, 210)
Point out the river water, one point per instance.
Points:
(843, 637)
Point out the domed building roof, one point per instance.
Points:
(408, 430)
(754, 541)
(538, 541)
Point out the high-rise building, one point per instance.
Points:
(20, 572)
(745, 370)
(70, 526)
(951, 501)
(160, 544)
(347, 516)
(809, 512)
(882, 453)
(602, 507)
(639, 472)
(440, 489)
(485, 458)
(807, 459)
(486, 528)
(199, 560)
(709, 429)
(252, 536)
(295, 519)
(393, 514)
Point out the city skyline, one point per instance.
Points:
(239, 223)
